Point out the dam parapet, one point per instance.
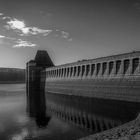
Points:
(116, 66)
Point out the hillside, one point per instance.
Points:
(12, 75)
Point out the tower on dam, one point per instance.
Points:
(35, 85)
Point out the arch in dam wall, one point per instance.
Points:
(125, 65)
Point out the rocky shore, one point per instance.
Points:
(128, 131)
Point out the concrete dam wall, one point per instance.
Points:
(95, 95)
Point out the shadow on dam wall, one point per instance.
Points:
(91, 114)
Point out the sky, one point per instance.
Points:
(70, 30)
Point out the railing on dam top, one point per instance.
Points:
(124, 65)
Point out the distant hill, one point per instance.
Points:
(12, 75)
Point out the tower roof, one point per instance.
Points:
(42, 58)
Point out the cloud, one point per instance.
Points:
(22, 43)
(64, 34)
(5, 39)
(18, 43)
(1, 39)
(1, 36)
(3, 17)
(21, 28)
(1, 14)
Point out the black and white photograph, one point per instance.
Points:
(69, 69)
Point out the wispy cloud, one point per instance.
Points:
(1, 36)
(1, 39)
(5, 40)
(64, 34)
(1, 14)
(21, 43)
(17, 43)
(6, 37)
(3, 17)
(23, 30)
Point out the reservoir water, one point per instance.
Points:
(15, 124)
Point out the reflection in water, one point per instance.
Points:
(15, 124)
(21, 136)
(36, 107)
(42, 121)
(38, 114)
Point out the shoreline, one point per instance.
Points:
(127, 131)
(12, 82)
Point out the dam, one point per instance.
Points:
(94, 95)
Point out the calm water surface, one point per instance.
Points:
(16, 125)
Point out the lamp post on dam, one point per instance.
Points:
(95, 95)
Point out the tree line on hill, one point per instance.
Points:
(12, 75)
